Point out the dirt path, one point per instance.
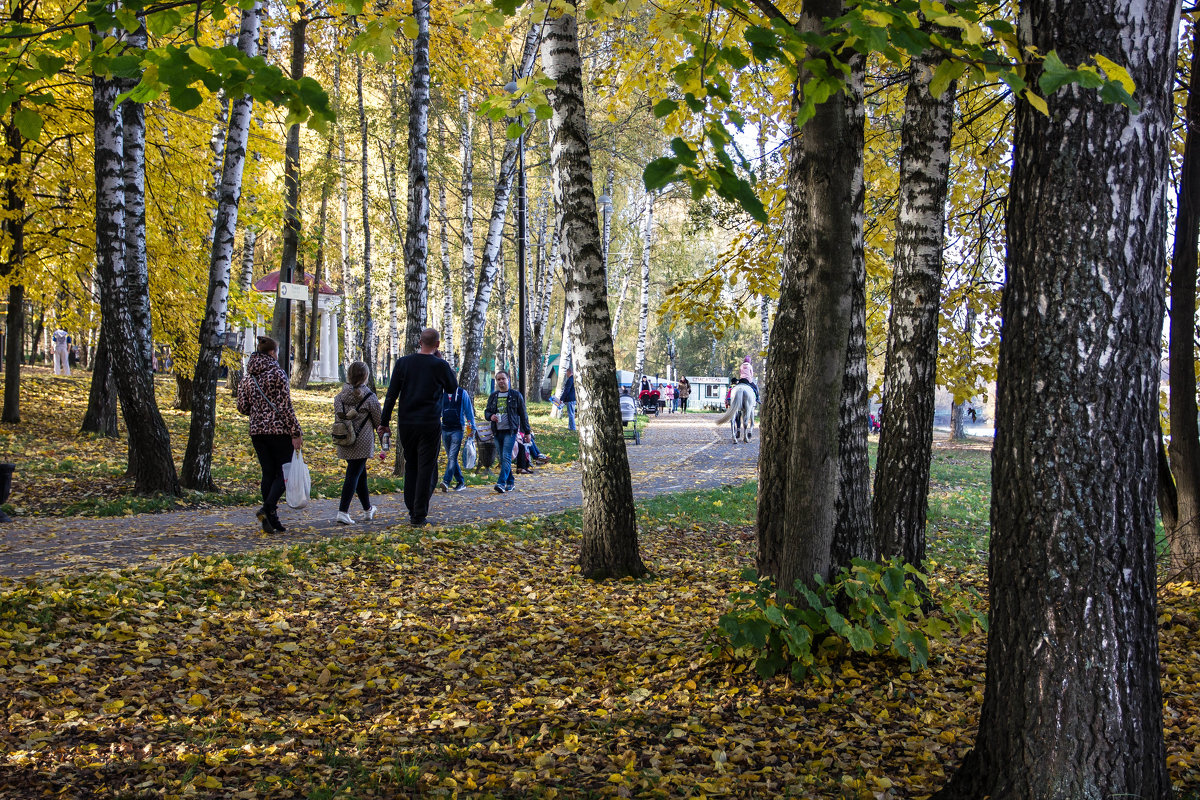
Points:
(678, 453)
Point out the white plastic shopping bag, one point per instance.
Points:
(470, 456)
(298, 481)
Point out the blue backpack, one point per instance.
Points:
(452, 411)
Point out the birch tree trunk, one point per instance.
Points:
(350, 334)
(444, 241)
(906, 441)
(473, 329)
(853, 534)
(626, 271)
(133, 121)
(101, 414)
(467, 148)
(154, 469)
(394, 346)
(1072, 702)
(1184, 451)
(799, 467)
(610, 544)
(249, 242)
(416, 236)
(639, 361)
(368, 338)
(197, 457)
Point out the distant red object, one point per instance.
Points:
(270, 283)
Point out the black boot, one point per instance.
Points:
(265, 519)
(273, 519)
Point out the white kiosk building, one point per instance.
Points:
(328, 364)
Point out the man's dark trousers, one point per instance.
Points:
(420, 444)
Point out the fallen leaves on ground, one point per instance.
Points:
(471, 664)
(63, 472)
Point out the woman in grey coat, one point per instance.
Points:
(359, 407)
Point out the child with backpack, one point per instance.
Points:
(357, 414)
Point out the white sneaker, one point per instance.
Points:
(345, 518)
(371, 512)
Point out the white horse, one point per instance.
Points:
(741, 411)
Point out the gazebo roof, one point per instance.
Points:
(270, 283)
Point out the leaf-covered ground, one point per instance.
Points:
(477, 663)
(63, 472)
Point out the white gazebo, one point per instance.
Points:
(328, 362)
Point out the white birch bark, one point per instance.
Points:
(626, 272)
(368, 323)
(467, 148)
(639, 363)
(444, 241)
(610, 546)
(197, 459)
(473, 330)
(416, 237)
(350, 336)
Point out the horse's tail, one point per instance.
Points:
(728, 415)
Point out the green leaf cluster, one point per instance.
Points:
(874, 608)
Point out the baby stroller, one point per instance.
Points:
(649, 402)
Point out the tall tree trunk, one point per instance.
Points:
(541, 310)
(799, 466)
(183, 392)
(610, 544)
(395, 348)
(477, 317)
(444, 242)
(101, 415)
(416, 235)
(1072, 705)
(136, 264)
(249, 241)
(626, 271)
(467, 147)
(639, 360)
(368, 332)
(15, 184)
(905, 444)
(154, 469)
(281, 319)
(1184, 450)
(958, 410)
(350, 332)
(853, 535)
(197, 457)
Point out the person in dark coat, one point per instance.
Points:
(419, 381)
(568, 398)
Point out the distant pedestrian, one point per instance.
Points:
(62, 345)
(458, 421)
(685, 391)
(73, 357)
(506, 411)
(669, 397)
(275, 432)
(568, 397)
(419, 381)
(358, 407)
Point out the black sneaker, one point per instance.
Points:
(444, 487)
(273, 518)
(418, 522)
(499, 489)
(265, 520)
(458, 487)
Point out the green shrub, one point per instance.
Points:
(871, 607)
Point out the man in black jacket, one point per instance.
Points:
(419, 381)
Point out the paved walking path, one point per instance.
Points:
(678, 453)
